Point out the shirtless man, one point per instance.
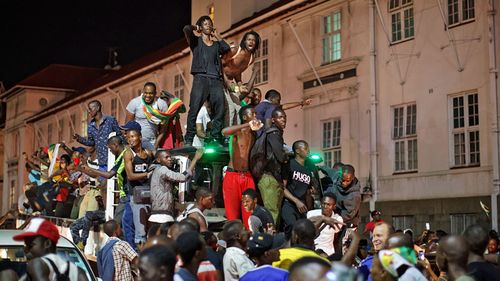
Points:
(238, 177)
(234, 62)
(238, 59)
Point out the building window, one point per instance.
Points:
(179, 86)
(262, 62)
(114, 107)
(403, 222)
(83, 126)
(332, 151)
(72, 124)
(460, 11)
(465, 130)
(15, 144)
(332, 37)
(402, 19)
(60, 130)
(49, 134)
(12, 194)
(404, 134)
(459, 222)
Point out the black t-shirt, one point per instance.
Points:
(264, 215)
(211, 56)
(299, 179)
(483, 271)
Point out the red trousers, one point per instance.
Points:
(232, 187)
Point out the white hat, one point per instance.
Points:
(161, 218)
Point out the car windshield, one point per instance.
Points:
(12, 257)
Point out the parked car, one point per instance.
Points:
(12, 254)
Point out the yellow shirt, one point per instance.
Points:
(290, 255)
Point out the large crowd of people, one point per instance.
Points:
(274, 229)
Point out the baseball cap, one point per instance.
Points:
(131, 125)
(39, 227)
(261, 242)
(80, 149)
(161, 218)
(374, 212)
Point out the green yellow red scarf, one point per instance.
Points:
(157, 117)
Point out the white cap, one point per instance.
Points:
(161, 218)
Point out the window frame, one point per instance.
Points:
(460, 13)
(401, 7)
(466, 130)
(462, 216)
(332, 153)
(261, 58)
(179, 86)
(408, 221)
(113, 105)
(330, 38)
(402, 134)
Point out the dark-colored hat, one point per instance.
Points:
(80, 149)
(261, 242)
(166, 95)
(375, 212)
(131, 125)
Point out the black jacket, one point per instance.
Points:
(200, 62)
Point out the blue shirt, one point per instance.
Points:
(185, 275)
(265, 273)
(98, 137)
(35, 177)
(264, 110)
(365, 267)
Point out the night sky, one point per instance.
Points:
(35, 34)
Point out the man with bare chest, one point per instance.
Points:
(234, 62)
(238, 177)
(238, 59)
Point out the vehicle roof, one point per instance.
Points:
(7, 234)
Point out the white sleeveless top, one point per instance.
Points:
(62, 266)
(189, 210)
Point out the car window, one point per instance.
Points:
(13, 257)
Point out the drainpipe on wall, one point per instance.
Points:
(495, 99)
(373, 108)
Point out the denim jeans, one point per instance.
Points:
(128, 223)
(140, 217)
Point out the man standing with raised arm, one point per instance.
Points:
(207, 48)
(238, 177)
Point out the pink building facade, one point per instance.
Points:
(408, 95)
